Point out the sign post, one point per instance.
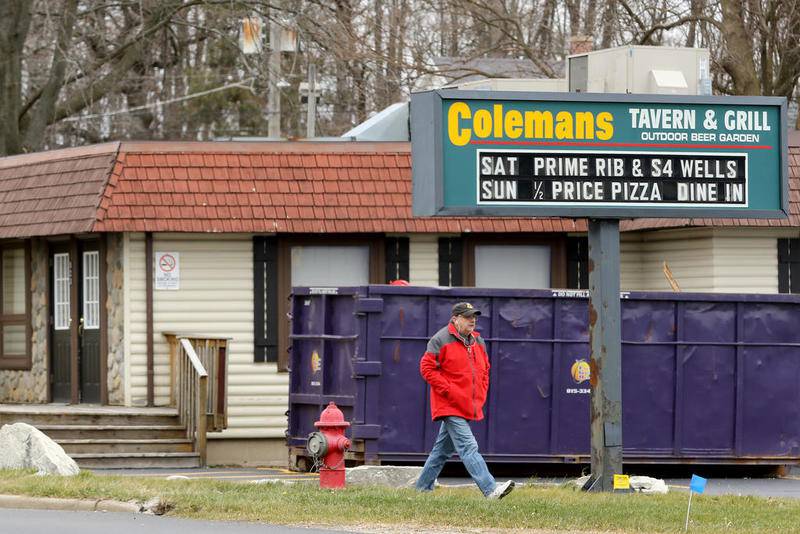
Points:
(606, 356)
(602, 157)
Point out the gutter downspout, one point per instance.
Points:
(149, 274)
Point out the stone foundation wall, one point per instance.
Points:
(31, 386)
(116, 315)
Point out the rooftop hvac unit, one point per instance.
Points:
(641, 69)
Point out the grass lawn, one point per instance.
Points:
(549, 508)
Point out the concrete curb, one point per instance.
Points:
(74, 505)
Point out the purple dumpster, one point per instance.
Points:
(706, 378)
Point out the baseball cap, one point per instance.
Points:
(466, 309)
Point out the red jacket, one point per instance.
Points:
(458, 374)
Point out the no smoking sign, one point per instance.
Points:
(168, 271)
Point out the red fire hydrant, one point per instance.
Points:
(328, 446)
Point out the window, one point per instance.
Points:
(61, 296)
(512, 266)
(91, 290)
(789, 265)
(330, 265)
(15, 329)
(451, 252)
(265, 281)
(396, 258)
(578, 263)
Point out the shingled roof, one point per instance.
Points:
(56, 192)
(281, 187)
(269, 187)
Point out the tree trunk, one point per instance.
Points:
(590, 20)
(344, 18)
(379, 89)
(41, 114)
(609, 23)
(691, 37)
(359, 86)
(789, 69)
(135, 91)
(393, 51)
(738, 63)
(15, 18)
(544, 33)
(455, 31)
(177, 61)
(574, 10)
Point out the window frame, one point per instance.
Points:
(578, 262)
(265, 289)
(377, 270)
(90, 289)
(17, 362)
(62, 296)
(397, 259)
(558, 253)
(788, 257)
(451, 261)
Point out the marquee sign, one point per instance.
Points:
(598, 155)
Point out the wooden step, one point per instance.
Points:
(141, 460)
(124, 445)
(58, 432)
(46, 418)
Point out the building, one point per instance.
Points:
(83, 231)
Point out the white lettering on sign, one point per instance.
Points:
(577, 391)
(581, 293)
(562, 177)
(499, 190)
(323, 290)
(168, 271)
(746, 120)
(499, 166)
(557, 166)
(667, 119)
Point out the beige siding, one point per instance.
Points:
(630, 258)
(135, 319)
(215, 298)
(127, 329)
(722, 260)
(423, 252)
(688, 253)
(745, 261)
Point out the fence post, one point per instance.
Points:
(202, 420)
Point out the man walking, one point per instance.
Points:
(456, 366)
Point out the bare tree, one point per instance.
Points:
(77, 71)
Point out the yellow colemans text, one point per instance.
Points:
(464, 124)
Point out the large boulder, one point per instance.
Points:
(25, 447)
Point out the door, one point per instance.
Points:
(60, 322)
(79, 363)
(89, 324)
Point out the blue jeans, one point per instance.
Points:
(455, 435)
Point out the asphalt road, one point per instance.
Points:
(51, 521)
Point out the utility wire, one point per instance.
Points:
(243, 84)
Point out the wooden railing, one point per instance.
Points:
(192, 397)
(198, 385)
